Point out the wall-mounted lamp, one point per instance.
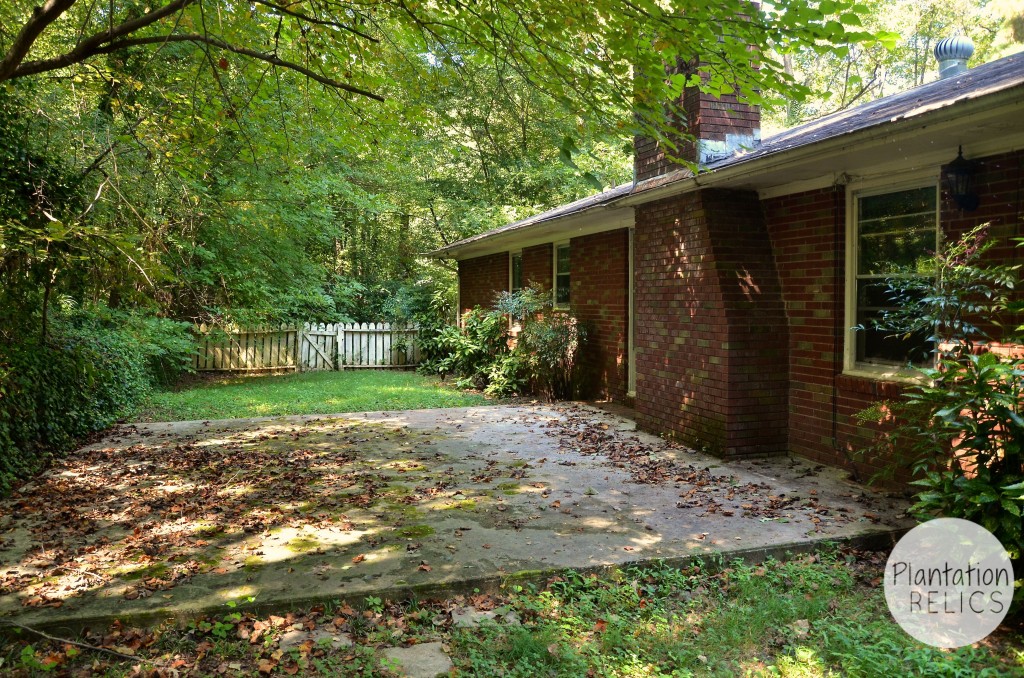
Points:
(959, 176)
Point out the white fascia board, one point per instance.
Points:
(934, 157)
(588, 222)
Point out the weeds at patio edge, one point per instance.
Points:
(817, 615)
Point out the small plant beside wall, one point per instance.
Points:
(549, 344)
(960, 429)
(543, 357)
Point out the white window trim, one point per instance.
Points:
(878, 186)
(554, 275)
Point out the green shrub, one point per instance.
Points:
(551, 347)
(94, 367)
(506, 375)
(961, 428)
(549, 344)
(468, 351)
(544, 357)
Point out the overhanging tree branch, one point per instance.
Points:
(41, 18)
(272, 59)
(113, 39)
(313, 20)
(83, 50)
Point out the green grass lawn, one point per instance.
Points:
(303, 393)
(810, 617)
(813, 616)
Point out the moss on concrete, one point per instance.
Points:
(302, 545)
(414, 531)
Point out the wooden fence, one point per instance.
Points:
(334, 346)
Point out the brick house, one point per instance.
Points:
(720, 305)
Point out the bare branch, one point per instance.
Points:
(314, 20)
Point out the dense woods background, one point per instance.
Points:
(185, 161)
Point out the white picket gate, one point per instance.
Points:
(325, 346)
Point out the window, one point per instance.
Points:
(561, 276)
(894, 232)
(515, 282)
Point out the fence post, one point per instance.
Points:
(300, 335)
(341, 345)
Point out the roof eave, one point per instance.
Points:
(594, 219)
(736, 173)
(741, 172)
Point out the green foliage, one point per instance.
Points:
(93, 369)
(161, 350)
(469, 351)
(960, 429)
(854, 74)
(955, 298)
(968, 445)
(544, 357)
(808, 616)
(551, 346)
(507, 375)
(550, 342)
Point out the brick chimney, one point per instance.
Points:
(721, 126)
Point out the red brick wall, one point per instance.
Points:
(1000, 187)
(480, 279)
(600, 299)
(711, 332)
(807, 233)
(537, 266)
(649, 159)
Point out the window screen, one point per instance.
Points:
(896, 235)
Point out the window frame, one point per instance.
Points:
(511, 270)
(881, 186)
(554, 275)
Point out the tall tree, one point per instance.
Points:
(210, 158)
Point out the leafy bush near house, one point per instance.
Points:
(544, 356)
(92, 368)
(470, 350)
(549, 343)
(961, 429)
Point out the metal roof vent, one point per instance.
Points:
(952, 55)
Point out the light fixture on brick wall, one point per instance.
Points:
(959, 176)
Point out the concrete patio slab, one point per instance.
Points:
(182, 519)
